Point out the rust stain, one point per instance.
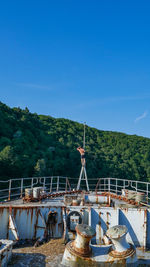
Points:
(10, 210)
(1, 210)
(36, 223)
(31, 215)
(96, 199)
(124, 254)
(14, 212)
(107, 222)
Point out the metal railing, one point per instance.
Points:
(15, 188)
(115, 185)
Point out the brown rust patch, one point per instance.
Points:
(124, 254)
(82, 252)
(107, 222)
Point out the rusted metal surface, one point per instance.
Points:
(79, 248)
(16, 187)
(81, 243)
(40, 197)
(123, 254)
(28, 193)
(30, 218)
(102, 219)
(96, 199)
(30, 222)
(121, 249)
(136, 222)
(79, 253)
(13, 231)
(72, 199)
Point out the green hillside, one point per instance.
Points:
(38, 145)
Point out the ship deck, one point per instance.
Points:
(112, 202)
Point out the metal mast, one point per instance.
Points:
(83, 174)
(84, 136)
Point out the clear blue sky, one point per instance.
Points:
(82, 60)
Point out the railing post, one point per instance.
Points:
(116, 187)
(147, 191)
(109, 184)
(21, 191)
(32, 183)
(66, 185)
(51, 185)
(124, 184)
(9, 189)
(104, 185)
(57, 183)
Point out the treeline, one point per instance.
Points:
(38, 145)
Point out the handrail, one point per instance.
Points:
(15, 187)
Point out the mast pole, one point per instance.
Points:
(84, 136)
(83, 174)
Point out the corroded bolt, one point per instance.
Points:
(81, 243)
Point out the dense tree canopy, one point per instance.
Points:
(32, 144)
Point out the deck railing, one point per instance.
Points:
(15, 188)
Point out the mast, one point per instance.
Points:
(84, 136)
(83, 174)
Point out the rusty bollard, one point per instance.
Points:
(81, 243)
(79, 249)
(121, 252)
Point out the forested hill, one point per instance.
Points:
(38, 145)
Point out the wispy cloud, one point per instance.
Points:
(32, 85)
(144, 115)
(54, 86)
(107, 100)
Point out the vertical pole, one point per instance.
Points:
(51, 185)
(99, 185)
(32, 183)
(124, 184)
(87, 186)
(66, 186)
(109, 184)
(9, 189)
(116, 187)
(21, 188)
(79, 181)
(147, 192)
(57, 183)
(84, 136)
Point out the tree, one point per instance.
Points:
(40, 167)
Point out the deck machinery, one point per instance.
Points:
(113, 211)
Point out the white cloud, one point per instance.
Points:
(144, 115)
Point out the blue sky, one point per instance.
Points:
(82, 60)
